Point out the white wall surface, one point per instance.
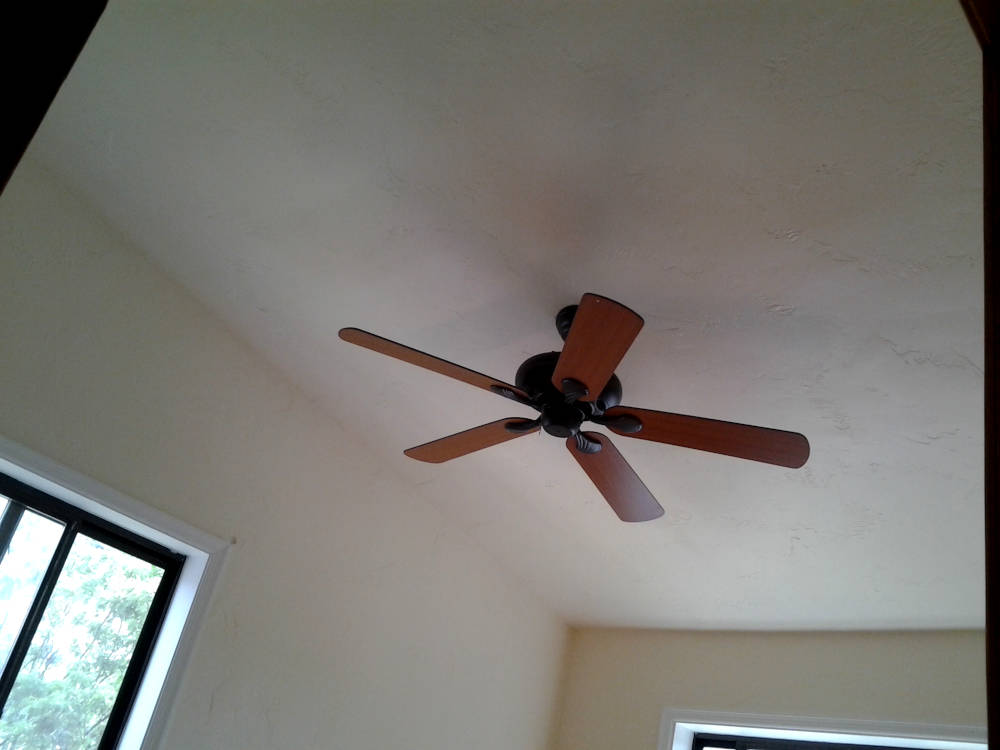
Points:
(350, 615)
(618, 682)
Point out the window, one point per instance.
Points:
(705, 741)
(705, 730)
(100, 599)
(81, 603)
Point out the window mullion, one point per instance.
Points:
(34, 616)
(8, 524)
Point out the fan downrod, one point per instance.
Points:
(564, 320)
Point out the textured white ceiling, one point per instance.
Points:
(789, 193)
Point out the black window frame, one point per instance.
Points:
(77, 521)
(703, 740)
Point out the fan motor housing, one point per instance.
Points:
(560, 417)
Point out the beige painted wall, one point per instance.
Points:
(349, 614)
(618, 682)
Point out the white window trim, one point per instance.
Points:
(678, 726)
(205, 555)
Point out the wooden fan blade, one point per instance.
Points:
(430, 362)
(469, 441)
(616, 480)
(601, 333)
(728, 438)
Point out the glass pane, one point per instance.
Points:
(21, 569)
(67, 685)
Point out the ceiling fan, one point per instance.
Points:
(578, 385)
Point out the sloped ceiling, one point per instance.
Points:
(789, 193)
